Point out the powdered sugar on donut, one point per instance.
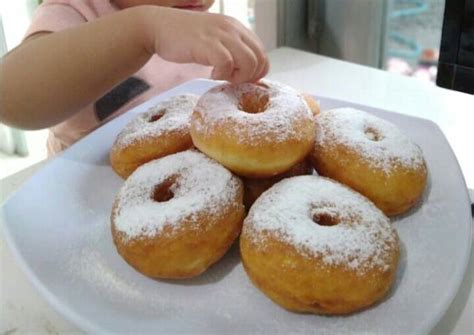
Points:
(286, 110)
(362, 238)
(382, 144)
(173, 114)
(199, 185)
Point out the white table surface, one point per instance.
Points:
(23, 310)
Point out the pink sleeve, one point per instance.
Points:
(54, 17)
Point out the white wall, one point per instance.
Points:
(266, 22)
(3, 45)
(16, 19)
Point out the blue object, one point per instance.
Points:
(419, 7)
(413, 49)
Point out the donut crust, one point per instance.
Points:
(262, 160)
(188, 252)
(304, 284)
(312, 104)
(393, 193)
(160, 131)
(124, 160)
(233, 125)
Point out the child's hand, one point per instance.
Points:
(235, 52)
(85, 62)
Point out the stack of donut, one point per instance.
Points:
(239, 160)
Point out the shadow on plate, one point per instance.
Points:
(97, 190)
(89, 158)
(402, 264)
(216, 272)
(457, 306)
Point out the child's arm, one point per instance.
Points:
(48, 78)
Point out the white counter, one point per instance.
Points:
(23, 310)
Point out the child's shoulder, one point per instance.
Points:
(89, 9)
(56, 15)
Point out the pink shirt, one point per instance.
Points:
(153, 78)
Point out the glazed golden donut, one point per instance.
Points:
(370, 155)
(176, 216)
(255, 130)
(162, 130)
(254, 187)
(313, 245)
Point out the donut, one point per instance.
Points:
(370, 155)
(254, 187)
(255, 130)
(176, 216)
(312, 104)
(162, 130)
(313, 245)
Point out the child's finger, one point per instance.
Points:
(265, 69)
(245, 61)
(257, 48)
(223, 63)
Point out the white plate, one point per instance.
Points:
(57, 225)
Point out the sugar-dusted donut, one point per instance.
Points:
(370, 155)
(314, 245)
(177, 215)
(255, 130)
(162, 130)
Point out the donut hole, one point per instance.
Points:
(373, 134)
(254, 102)
(162, 192)
(158, 115)
(325, 219)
